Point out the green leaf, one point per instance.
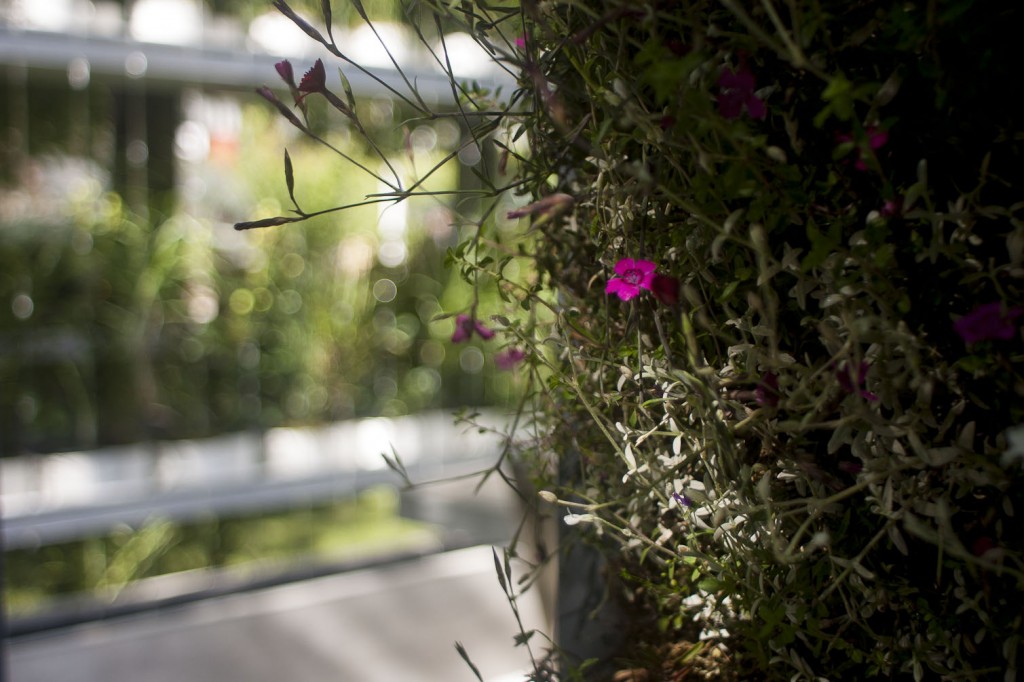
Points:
(325, 9)
(822, 245)
(289, 179)
(465, 656)
(524, 637)
(286, 10)
(501, 574)
(347, 87)
(839, 94)
(710, 585)
(357, 5)
(728, 291)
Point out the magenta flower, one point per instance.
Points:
(737, 92)
(633, 275)
(988, 321)
(466, 326)
(892, 207)
(682, 500)
(665, 289)
(852, 382)
(876, 140)
(508, 359)
(767, 391)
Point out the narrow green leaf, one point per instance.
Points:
(266, 222)
(289, 179)
(357, 5)
(394, 462)
(465, 656)
(284, 9)
(524, 637)
(347, 87)
(497, 568)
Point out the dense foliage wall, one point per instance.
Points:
(791, 287)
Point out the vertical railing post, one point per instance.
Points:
(589, 621)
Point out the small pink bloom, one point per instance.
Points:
(988, 321)
(850, 467)
(891, 208)
(876, 140)
(508, 359)
(465, 326)
(737, 92)
(767, 391)
(682, 500)
(633, 275)
(853, 382)
(521, 42)
(982, 545)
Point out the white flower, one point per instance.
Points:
(1015, 447)
(573, 519)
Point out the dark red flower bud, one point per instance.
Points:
(665, 289)
(284, 70)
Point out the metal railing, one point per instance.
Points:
(66, 496)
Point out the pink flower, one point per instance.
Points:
(665, 289)
(892, 207)
(988, 321)
(633, 275)
(465, 326)
(767, 391)
(853, 383)
(737, 91)
(682, 500)
(876, 140)
(508, 359)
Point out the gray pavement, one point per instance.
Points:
(393, 623)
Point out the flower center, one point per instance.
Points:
(633, 276)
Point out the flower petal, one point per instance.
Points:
(508, 359)
(483, 330)
(645, 266)
(463, 329)
(314, 80)
(622, 289)
(756, 108)
(624, 265)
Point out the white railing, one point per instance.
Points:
(56, 497)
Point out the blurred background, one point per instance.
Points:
(189, 414)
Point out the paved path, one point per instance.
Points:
(395, 623)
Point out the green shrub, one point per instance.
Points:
(774, 305)
(806, 420)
